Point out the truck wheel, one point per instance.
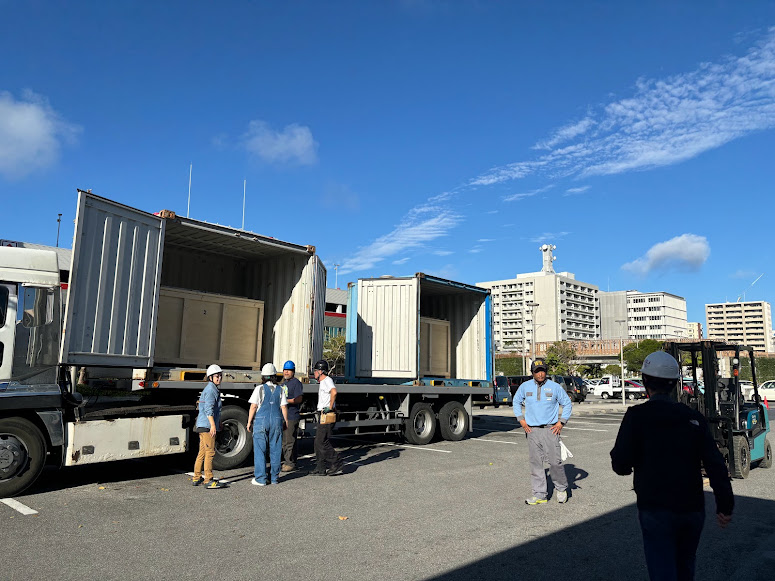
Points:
(22, 455)
(233, 444)
(631, 396)
(742, 457)
(453, 421)
(420, 426)
(605, 395)
(766, 462)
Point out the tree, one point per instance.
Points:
(509, 365)
(559, 356)
(333, 353)
(612, 370)
(636, 353)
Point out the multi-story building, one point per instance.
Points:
(658, 315)
(335, 317)
(636, 315)
(543, 306)
(747, 323)
(695, 330)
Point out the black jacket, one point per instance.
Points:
(667, 444)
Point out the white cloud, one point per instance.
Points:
(549, 237)
(401, 260)
(421, 225)
(475, 250)
(523, 195)
(294, 144)
(566, 133)
(685, 253)
(492, 211)
(486, 240)
(442, 252)
(741, 273)
(31, 134)
(663, 122)
(579, 190)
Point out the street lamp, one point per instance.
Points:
(621, 356)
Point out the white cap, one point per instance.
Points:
(268, 370)
(212, 370)
(661, 364)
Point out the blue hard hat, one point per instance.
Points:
(289, 365)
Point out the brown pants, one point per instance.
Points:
(205, 456)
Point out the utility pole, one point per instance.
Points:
(621, 356)
(533, 308)
(336, 276)
(59, 223)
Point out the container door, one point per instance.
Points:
(318, 310)
(114, 285)
(387, 328)
(7, 329)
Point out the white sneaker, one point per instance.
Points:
(255, 482)
(562, 497)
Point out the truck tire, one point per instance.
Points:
(766, 462)
(632, 396)
(453, 421)
(22, 455)
(605, 395)
(233, 444)
(420, 426)
(742, 464)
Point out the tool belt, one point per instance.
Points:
(329, 418)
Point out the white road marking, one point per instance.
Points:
(18, 506)
(408, 446)
(496, 441)
(583, 429)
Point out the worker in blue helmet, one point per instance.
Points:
(293, 392)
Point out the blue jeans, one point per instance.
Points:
(267, 432)
(670, 541)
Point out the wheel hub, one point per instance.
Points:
(13, 456)
(229, 440)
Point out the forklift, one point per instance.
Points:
(739, 427)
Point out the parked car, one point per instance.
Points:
(632, 389)
(767, 389)
(515, 381)
(502, 394)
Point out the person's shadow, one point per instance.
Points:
(573, 473)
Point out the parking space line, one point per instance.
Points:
(18, 506)
(565, 428)
(496, 441)
(408, 446)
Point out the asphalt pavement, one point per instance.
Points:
(449, 510)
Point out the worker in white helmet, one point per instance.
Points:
(269, 408)
(667, 444)
(208, 422)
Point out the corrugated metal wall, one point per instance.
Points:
(387, 343)
(112, 296)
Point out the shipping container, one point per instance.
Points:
(408, 328)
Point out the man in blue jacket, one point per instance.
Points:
(542, 399)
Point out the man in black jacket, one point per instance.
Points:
(667, 444)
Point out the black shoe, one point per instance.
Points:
(319, 471)
(336, 470)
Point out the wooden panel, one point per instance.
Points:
(197, 328)
(434, 348)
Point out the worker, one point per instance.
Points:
(269, 408)
(667, 444)
(325, 453)
(542, 399)
(208, 423)
(293, 393)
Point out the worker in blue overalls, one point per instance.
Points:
(269, 408)
(542, 398)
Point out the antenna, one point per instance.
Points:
(742, 295)
(59, 222)
(244, 189)
(188, 207)
(336, 275)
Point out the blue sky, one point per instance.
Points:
(445, 137)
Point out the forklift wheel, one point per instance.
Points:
(742, 456)
(766, 462)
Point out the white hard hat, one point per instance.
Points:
(213, 369)
(268, 370)
(661, 364)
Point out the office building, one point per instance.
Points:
(636, 315)
(335, 318)
(545, 306)
(747, 323)
(695, 330)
